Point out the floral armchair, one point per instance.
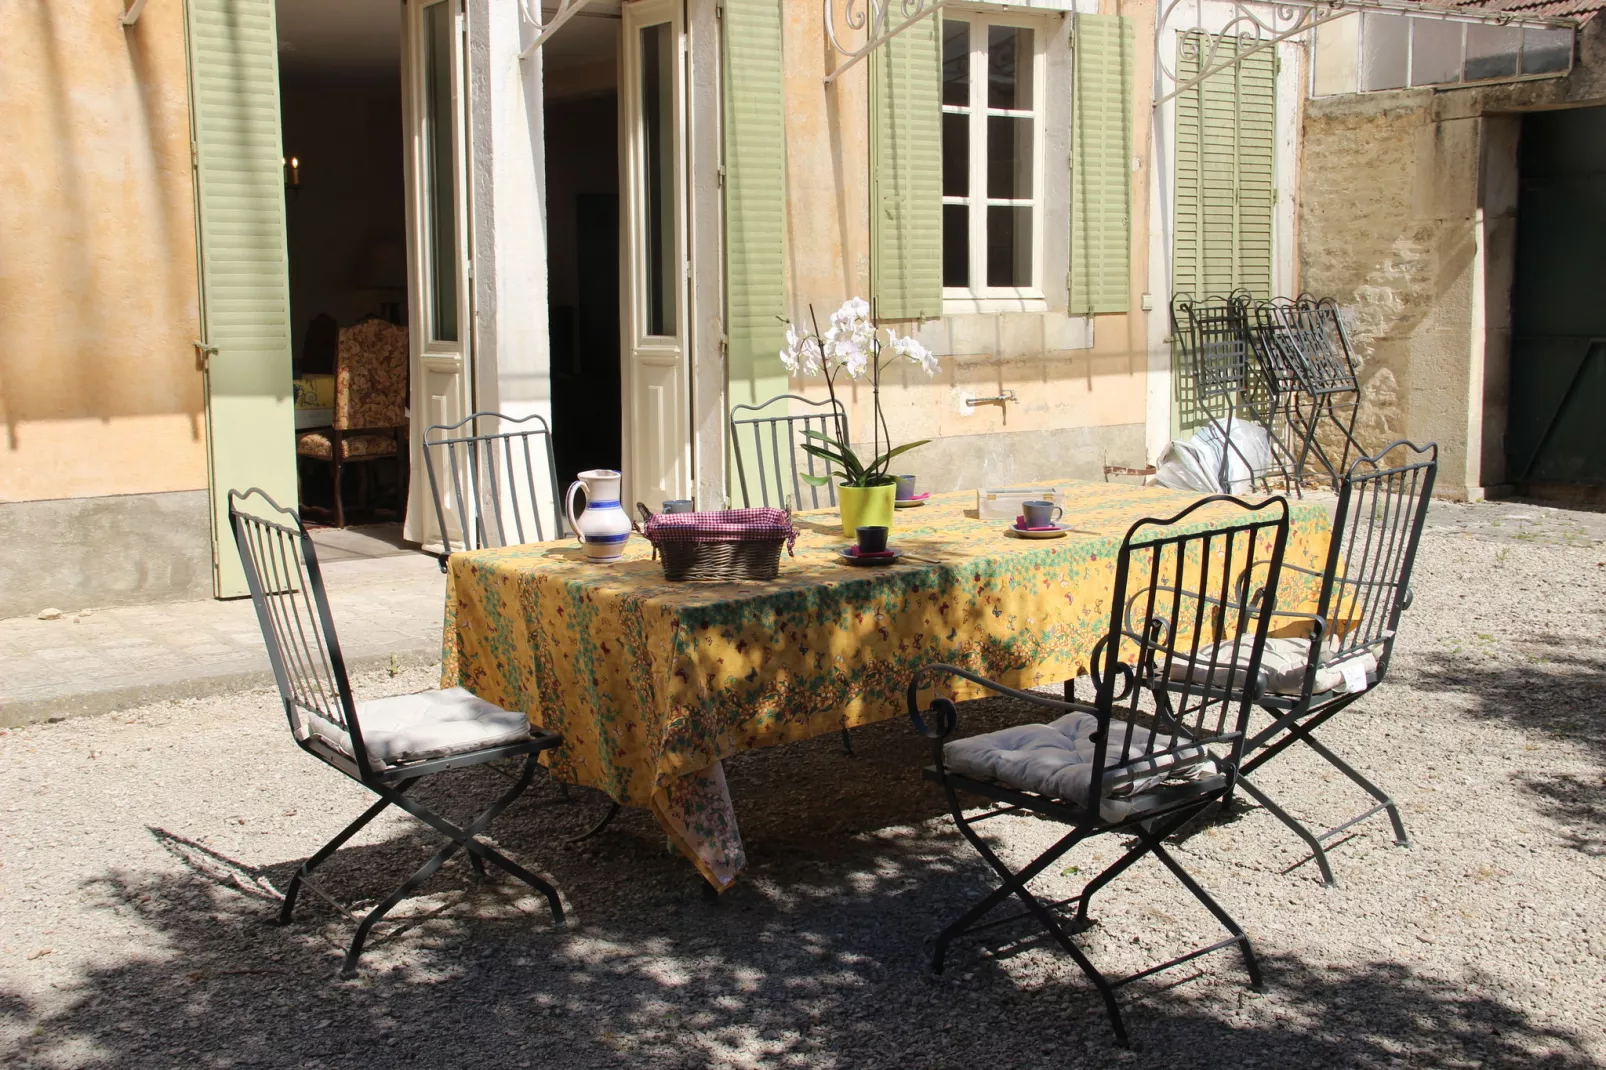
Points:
(370, 410)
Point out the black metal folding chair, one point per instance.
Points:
(1158, 745)
(1305, 351)
(485, 475)
(387, 745)
(1225, 379)
(1364, 590)
(767, 453)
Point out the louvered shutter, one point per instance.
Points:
(755, 200)
(245, 282)
(1101, 170)
(906, 174)
(1225, 180)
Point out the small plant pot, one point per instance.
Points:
(866, 507)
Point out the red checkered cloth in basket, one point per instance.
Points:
(727, 525)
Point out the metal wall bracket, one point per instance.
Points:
(567, 9)
(131, 16)
(874, 17)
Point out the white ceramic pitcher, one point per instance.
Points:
(604, 527)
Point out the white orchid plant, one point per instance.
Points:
(855, 345)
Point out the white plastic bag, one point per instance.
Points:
(1195, 464)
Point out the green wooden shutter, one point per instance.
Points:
(1101, 164)
(755, 200)
(1225, 174)
(906, 174)
(245, 282)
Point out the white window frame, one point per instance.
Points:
(979, 297)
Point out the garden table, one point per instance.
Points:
(652, 683)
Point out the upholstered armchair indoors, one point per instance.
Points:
(370, 411)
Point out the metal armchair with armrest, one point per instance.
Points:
(1143, 758)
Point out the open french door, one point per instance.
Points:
(440, 313)
(656, 372)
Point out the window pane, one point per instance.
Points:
(1336, 56)
(956, 62)
(955, 245)
(955, 155)
(1546, 51)
(439, 157)
(1435, 52)
(1384, 45)
(1492, 51)
(1009, 156)
(658, 178)
(1009, 246)
(1009, 68)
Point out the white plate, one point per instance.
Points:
(1058, 531)
(909, 503)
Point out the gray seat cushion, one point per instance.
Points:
(1056, 760)
(430, 724)
(1282, 667)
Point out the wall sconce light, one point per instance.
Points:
(292, 174)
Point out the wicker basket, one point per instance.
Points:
(752, 560)
(728, 545)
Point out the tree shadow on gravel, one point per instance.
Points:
(815, 959)
(1558, 692)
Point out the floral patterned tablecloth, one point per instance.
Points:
(652, 683)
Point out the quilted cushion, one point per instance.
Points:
(429, 724)
(1282, 667)
(1056, 760)
(353, 447)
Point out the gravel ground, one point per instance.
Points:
(142, 850)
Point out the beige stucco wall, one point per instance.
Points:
(1421, 243)
(99, 391)
(1071, 376)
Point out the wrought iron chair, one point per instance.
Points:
(1159, 743)
(1364, 590)
(486, 483)
(1305, 352)
(387, 745)
(1225, 378)
(769, 455)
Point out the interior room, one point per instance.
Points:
(341, 102)
(581, 83)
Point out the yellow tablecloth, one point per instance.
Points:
(652, 683)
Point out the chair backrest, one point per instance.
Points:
(485, 476)
(1214, 336)
(1277, 324)
(1183, 648)
(1377, 526)
(1316, 328)
(371, 377)
(768, 454)
(281, 571)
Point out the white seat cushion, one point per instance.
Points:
(1282, 667)
(426, 725)
(1056, 760)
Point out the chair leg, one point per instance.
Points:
(348, 968)
(340, 504)
(1366, 785)
(847, 741)
(287, 907)
(1293, 823)
(1242, 938)
(607, 819)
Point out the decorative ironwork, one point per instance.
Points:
(1254, 27)
(873, 17)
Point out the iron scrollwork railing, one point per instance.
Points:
(1251, 28)
(874, 17)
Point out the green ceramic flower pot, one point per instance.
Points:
(866, 507)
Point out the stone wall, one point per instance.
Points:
(1407, 214)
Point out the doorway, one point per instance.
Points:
(340, 92)
(580, 71)
(1555, 439)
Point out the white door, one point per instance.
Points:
(656, 377)
(440, 315)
